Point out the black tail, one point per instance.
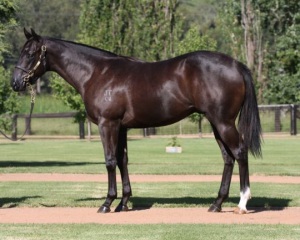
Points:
(249, 121)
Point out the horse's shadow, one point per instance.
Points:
(256, 204)
(6, 164)
(14, 202)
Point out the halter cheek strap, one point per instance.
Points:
(30, 73)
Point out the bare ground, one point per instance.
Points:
(151, 215)
(148, 216)
(53, 177)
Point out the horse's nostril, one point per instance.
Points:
(14, 84)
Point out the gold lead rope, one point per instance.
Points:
(32, 92)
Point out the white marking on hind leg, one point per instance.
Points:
(244, 197)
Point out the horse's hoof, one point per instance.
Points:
(237, 210)
(103, 209)
(121, 208)
(214, 208)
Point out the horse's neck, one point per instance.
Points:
(73, 66)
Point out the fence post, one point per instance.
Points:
(14, 131)
(293, 110)
(89, 127)
(81, 130)
(200, 127)
(145, 134)
(28, 125)
(277, 120)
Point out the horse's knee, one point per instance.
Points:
(111, 164)
(240, 153)
(242, 156)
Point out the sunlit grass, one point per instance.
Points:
(174, 194)
(146, 156)
(149, 232)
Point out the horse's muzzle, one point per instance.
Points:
(18, 85)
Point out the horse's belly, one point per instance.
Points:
(155, 116)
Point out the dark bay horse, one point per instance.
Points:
(121, 92)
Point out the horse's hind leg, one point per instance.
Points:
(235, 149)
(122, 161)
(226, 178)
(245, 193)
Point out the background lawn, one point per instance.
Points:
(146, 156)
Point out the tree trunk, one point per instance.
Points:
(247, 23)
(253, 42)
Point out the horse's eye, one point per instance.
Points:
(30, 54)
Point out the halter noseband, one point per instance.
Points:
(30, 73)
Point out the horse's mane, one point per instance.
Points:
(93, 50)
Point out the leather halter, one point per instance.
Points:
(30, 73)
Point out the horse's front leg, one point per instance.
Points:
(122, 159)
(109, 132)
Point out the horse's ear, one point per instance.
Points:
(27, 34)
(35, 36)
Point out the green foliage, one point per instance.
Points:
(193, 41)
(69, 96)
(174, 142)
(228, 27)
(7, 20)
(8, 100)
(285, 70)
(144, 29)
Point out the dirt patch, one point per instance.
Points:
(148, 216)
(56, 177)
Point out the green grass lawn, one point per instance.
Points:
(92, 194)
(146, 156)
(148, 232)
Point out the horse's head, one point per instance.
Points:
(31, 64)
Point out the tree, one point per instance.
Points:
(144, 29)
(257, 29)
(8, 99)
(285, 71)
